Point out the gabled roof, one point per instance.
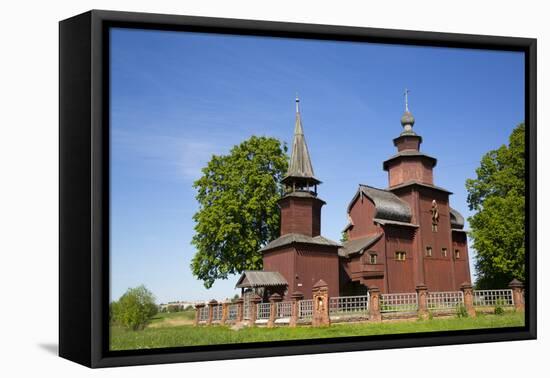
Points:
(352, 247)
(260, 278)
(388, 205)
(299, 238)
(457, 220)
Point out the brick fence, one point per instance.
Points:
(323, 310)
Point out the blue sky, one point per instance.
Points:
(178, 97)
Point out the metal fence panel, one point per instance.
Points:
(444, 300)
(305, 309)
(350, 305)
(217, 313)
(402, 302)
(203, 314)
(501, 297)
(232, 312)
(263, 310)
(284, 309)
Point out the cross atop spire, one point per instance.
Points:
(300, 170)
(407, 120)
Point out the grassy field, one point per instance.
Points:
(172, 319)
(169, 330)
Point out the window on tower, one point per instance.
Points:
(373, 258)
(400, 256)
(444, 252)
(457, 253)
(429, 251)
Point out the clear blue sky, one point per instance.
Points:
(177, 98)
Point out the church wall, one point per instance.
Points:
(400, 274)
(462, 265)
(362, 214)
(438, 269)
(283, 261)
(359, 269)
(313, 263)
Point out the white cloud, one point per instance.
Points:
(173, 156)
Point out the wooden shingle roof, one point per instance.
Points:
(260, 278)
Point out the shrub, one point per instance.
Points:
(461, 312)
(134, 309)
(174, 308)
(499, 310)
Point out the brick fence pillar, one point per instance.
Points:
(374, 304)
(297, 296)
(273, 300)
(239, 302)
(468, 292)
(211, 305)
(320, 305)
(422, 293)
(254, 308)
(225, 308)
(198, 308)
(517, 294)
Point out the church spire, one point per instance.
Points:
(300, 174)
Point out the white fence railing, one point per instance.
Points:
(305, 309)
(445, 300)
(232, 310)
(501, 297)
(216, 313)
(351, 305)
(203, 314)
(403, 302)
(284, 310)
(263, 310)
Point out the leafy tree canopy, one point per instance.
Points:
(498, 227)
(238, 212)
(134, 309)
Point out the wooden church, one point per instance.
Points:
(397, 238)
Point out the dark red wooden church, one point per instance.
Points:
(397, 238)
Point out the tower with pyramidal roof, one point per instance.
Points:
(301, 255)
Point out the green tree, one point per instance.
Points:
(344, 237)
(498, 227)
(134, 309)
(238, 212)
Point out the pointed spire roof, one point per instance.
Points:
(300, 169)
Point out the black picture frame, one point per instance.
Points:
(84, 186)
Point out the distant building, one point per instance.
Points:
(397, 238)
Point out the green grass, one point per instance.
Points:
(122, 339)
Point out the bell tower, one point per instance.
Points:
(300, 206)
(409, 164)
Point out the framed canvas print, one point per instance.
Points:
(234, 188)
